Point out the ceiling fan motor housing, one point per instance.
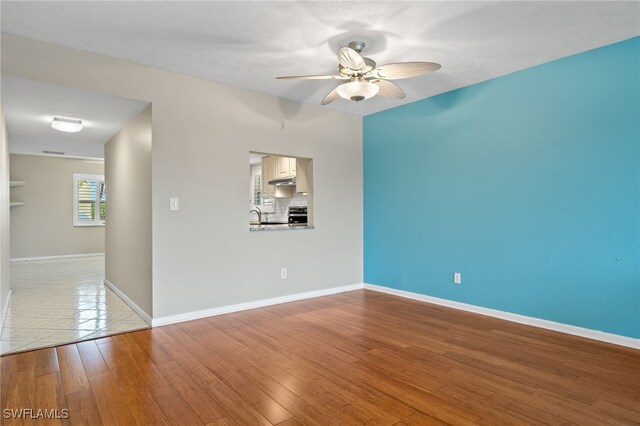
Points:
(357, 45)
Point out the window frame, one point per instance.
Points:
(77, 177)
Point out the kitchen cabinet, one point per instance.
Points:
(286, 167)
(276, 167)
(269, 172)
(283, 167)
(303, 175)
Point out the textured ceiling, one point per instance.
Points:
(247, 44)
(30, 106)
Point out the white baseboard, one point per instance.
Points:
(64, 256)
(171, 319)
(138, 310)
(602, 336)
(5, 310)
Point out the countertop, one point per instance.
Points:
(284, 227)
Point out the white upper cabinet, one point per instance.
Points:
(303, 175)
(292, 167)
(286, 167)
(269, 172)
(276, 167)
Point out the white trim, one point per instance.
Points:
(5, 310)
(187, 316)
(138, 310)
(64, 256)
(602, 336)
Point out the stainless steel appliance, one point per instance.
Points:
(297, 216)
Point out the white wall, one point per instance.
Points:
(44, 225)
(204, 255)
(128, 232)
(4, 217)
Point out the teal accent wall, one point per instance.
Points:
(527, 184)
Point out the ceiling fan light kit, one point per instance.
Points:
(366, 79)
(357, 90)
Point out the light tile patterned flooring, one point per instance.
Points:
(61, 301)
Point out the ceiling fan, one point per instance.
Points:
(366, 79)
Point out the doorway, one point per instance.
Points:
(61, 217)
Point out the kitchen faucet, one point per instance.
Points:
(258, 212)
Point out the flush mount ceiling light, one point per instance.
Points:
(66, 124)
(367, 79)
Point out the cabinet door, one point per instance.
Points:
(283, 167)
(302, 175)
(292, 167)
(268, 173)
(274, 170)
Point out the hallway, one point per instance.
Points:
(62, 301)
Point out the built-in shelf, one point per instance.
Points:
(14, 183)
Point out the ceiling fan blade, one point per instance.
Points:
(332, 96)
(404, 70)
(313, 77)
(389, 89)
(351, 59)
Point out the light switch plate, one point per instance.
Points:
(174, 204)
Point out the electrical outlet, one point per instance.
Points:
(457, 278)
(283, 273)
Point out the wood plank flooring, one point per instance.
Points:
(355, 358)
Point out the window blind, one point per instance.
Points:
(90, 200)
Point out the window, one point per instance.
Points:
(257, 190)
(89, 200)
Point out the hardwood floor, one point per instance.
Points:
(355, 358)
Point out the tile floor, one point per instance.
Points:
(62, 301)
